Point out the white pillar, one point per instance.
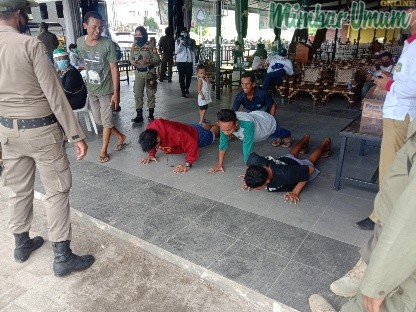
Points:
(73, 22)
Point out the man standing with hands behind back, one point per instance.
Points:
(103, 79)
(35, 118)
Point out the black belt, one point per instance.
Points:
(145, 69)
(28, 123)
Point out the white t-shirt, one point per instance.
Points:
(206, 91)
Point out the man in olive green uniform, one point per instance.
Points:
(389, 282)
(103, 79)
(145, 59)
(35, 118)
(49, 39)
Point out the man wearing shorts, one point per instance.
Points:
(173, 137)
(103, 79)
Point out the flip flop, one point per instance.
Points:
(121, 146)
(287, 144)
(277, 142)
(104, 159)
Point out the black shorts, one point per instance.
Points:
(204, 107)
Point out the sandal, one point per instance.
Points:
(287, 144)
(104, 159)
(121, 146)
(328, 151)
(277, 142)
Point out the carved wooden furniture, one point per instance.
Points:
(343, 83)
(309, 81)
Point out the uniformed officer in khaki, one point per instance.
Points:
(145, 59)
(35, 120)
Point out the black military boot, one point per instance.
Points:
(65, 262)
(139, 117)
(151, 111)
(25, 245)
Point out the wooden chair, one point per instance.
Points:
(343, 83)
(308, 82)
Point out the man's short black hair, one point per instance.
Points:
(226, 115)
(92, 14)
(386, 53)
(256, 176)
(148, 139)
(248, 74)
(72, 46)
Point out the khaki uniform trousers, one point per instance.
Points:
(396, 192)
(139, 86)
(394, 135)
(23, 151)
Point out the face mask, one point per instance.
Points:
(62, 64)
(75, 51)
(140, 40)
(184, 34)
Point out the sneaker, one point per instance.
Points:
(366, 224)
(319, 304)
(347, 286)
(169, 80)
(184, 95)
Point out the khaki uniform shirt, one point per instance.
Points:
(29, 84)
(144, 51)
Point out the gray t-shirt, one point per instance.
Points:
(97, 61)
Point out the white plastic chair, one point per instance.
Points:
(88, 116)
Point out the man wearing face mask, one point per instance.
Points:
(185, 58)
(385, 65)
(72, 81)
(145, 59)
(35, 120)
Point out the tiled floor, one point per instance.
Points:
(286, 252)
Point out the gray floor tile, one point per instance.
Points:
(250, 266)
(327, 254)
(275, 236)
(341, 226)
(199, 245)
(154, 226)
(298, 282)
(188, 207)
(227, 220)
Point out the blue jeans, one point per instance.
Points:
(280, 133)
(274, 79)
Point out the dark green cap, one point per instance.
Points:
(13, 5)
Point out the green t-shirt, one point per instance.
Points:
(97, 61)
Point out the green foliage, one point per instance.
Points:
(205, 30)
(150, 23)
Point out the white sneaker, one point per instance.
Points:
(347, 286)
(319, 304)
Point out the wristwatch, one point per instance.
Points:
(187, 164)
